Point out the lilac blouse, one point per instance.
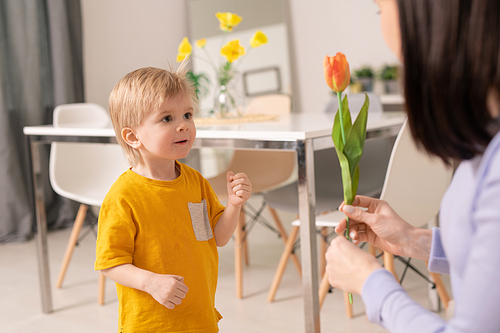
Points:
(466, 246)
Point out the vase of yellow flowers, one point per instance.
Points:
(225, 99)
(226, 102)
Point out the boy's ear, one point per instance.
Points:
(131, 138)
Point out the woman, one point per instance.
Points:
(450, 52)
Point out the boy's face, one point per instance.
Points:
(169, 133)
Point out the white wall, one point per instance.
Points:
(325, 27)
(123, 35)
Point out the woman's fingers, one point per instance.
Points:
(357, 214)
(348, 266)
(367, 203)
(358, 232)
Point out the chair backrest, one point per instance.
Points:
(80, 113)
(356, 102)
(270, 104)
(84, 172)
(415, 182)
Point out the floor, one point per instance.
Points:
(76, 309)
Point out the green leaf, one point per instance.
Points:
(346, 176)
(346, 119)
(200, 83)
(355, 140)
(350, 154)
(354, 188)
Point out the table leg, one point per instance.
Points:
(307, 213)
(238, 254)
(41, 223)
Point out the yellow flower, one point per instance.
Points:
(201, 43)
(228, 20)
(258, 39)
(232, 50)
(184, 50)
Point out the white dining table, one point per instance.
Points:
(303, 133)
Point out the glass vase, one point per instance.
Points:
(224, 102)
(227, 98)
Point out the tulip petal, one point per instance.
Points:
(341, 72)
(336, 71)
(328, 72)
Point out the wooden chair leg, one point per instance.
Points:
(284, 236)
(372, 250)
(102, 285)
(389, 264)
(238, 258)
(75, 231)
(324, 247)
(245, 252)
(282, 264)
(324, 287)
(348, 305)
(441, 289)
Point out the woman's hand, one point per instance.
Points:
(348, 266)
(382, 227)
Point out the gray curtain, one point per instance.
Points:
(40, 67)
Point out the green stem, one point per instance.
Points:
(222, 43)
(339, 96)
(206, 61)
(347, 229)
(348, 238)
(240, 60)
(209, 57)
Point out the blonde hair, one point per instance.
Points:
(141, 92)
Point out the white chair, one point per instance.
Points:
(413, 186)
(265, 169)
(356, 102)
(83, 172)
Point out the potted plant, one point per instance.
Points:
(389, 76)
(365, 76)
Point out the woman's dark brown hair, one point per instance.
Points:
(450, 50)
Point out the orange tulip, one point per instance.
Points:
(336, 70)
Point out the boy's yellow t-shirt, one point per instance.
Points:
(165, 227)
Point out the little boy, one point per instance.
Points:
(161, 222)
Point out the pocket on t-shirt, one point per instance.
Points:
(200, 221)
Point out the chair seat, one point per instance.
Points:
(286, 198)
(88, 196)
(331, 219)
